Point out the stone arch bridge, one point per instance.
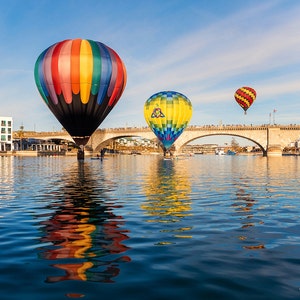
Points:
(270, 138)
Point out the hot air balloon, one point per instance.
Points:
(245, 96)
(80, 81)
(168, 114)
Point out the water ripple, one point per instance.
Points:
(206, 227)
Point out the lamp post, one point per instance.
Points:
(21, 136)
(274, 111)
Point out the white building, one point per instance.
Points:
(6, 134)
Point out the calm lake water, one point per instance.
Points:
(140, 227)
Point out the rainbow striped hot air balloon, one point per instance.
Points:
(168, 114)
(80, 81)
(245, 96)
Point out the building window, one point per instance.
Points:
(3, 123)
(8, 130)
(9, 123)
(9, 137)
(3, 137)
(3, 130)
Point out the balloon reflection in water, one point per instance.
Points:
(84, 230)
(244, 208)
(168, 191)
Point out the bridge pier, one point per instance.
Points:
(274, 150)
(274, 139)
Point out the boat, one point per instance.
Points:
(96, 158)
(135, 153)
(230, 152)
(168, 158)
(220, 151)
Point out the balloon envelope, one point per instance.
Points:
(245, 96)
(80, 81)
(168, 114)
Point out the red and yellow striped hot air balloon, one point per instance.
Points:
(245, 96)
(80, 81)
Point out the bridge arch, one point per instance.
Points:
(257, 135)
(107, 142)
(59, 138)
(102, 138)
(180, 145)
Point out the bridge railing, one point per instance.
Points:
(208, 127)
(220, 127)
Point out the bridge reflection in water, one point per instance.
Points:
(271, 139)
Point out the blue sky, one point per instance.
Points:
(203, 49)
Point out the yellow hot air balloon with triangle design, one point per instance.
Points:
(168, 113)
